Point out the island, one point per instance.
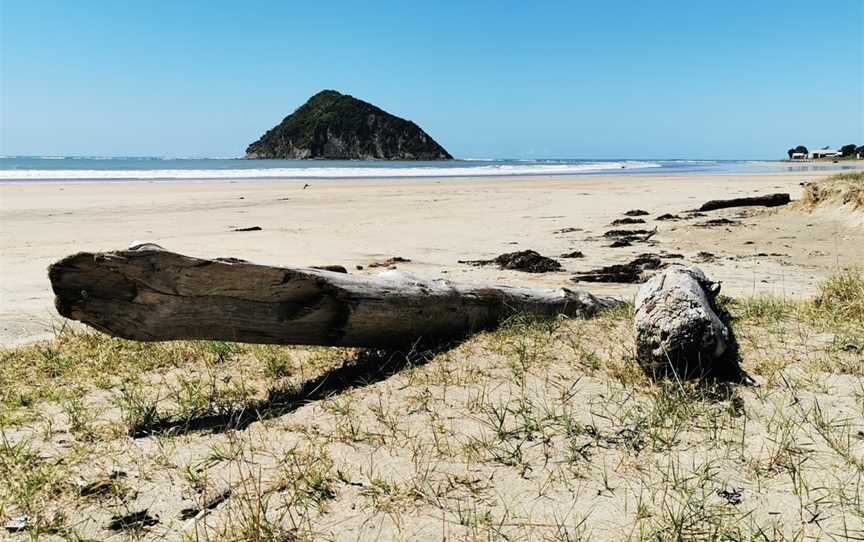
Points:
(336, 126)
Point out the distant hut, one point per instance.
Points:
(825, 152)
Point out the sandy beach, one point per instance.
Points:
(433, 222)
(539, 429)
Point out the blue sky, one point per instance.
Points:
(486, 79)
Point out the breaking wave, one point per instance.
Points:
(323, 172)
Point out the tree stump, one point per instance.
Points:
(680, 331)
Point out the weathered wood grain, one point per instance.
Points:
(150, 294)
(678, 327)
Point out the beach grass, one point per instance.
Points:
(540, 430)
(841, 188)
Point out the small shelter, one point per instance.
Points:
(825, 153)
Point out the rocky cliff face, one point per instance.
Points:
(335, 126)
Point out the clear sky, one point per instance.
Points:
(625, 79)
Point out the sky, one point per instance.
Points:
(625, 79)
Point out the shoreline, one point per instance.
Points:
(412, 179)
(406, 171)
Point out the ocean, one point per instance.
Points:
(25, 169)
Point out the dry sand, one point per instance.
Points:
(435, 223)
(536, 431)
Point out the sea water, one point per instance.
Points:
(17, 169)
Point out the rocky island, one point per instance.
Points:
(336, 126)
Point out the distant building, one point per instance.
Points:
(799, 156)
(825, 153)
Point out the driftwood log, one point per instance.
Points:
(771, 200)
(150, 294)
(680, 330)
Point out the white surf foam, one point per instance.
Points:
(321, 172)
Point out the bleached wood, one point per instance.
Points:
(677, 326)
(150, 294)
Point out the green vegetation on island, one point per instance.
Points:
(335, 126)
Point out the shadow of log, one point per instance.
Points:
(365, 368)
(730, 370)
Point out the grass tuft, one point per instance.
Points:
(841, 296)
(841, 188)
